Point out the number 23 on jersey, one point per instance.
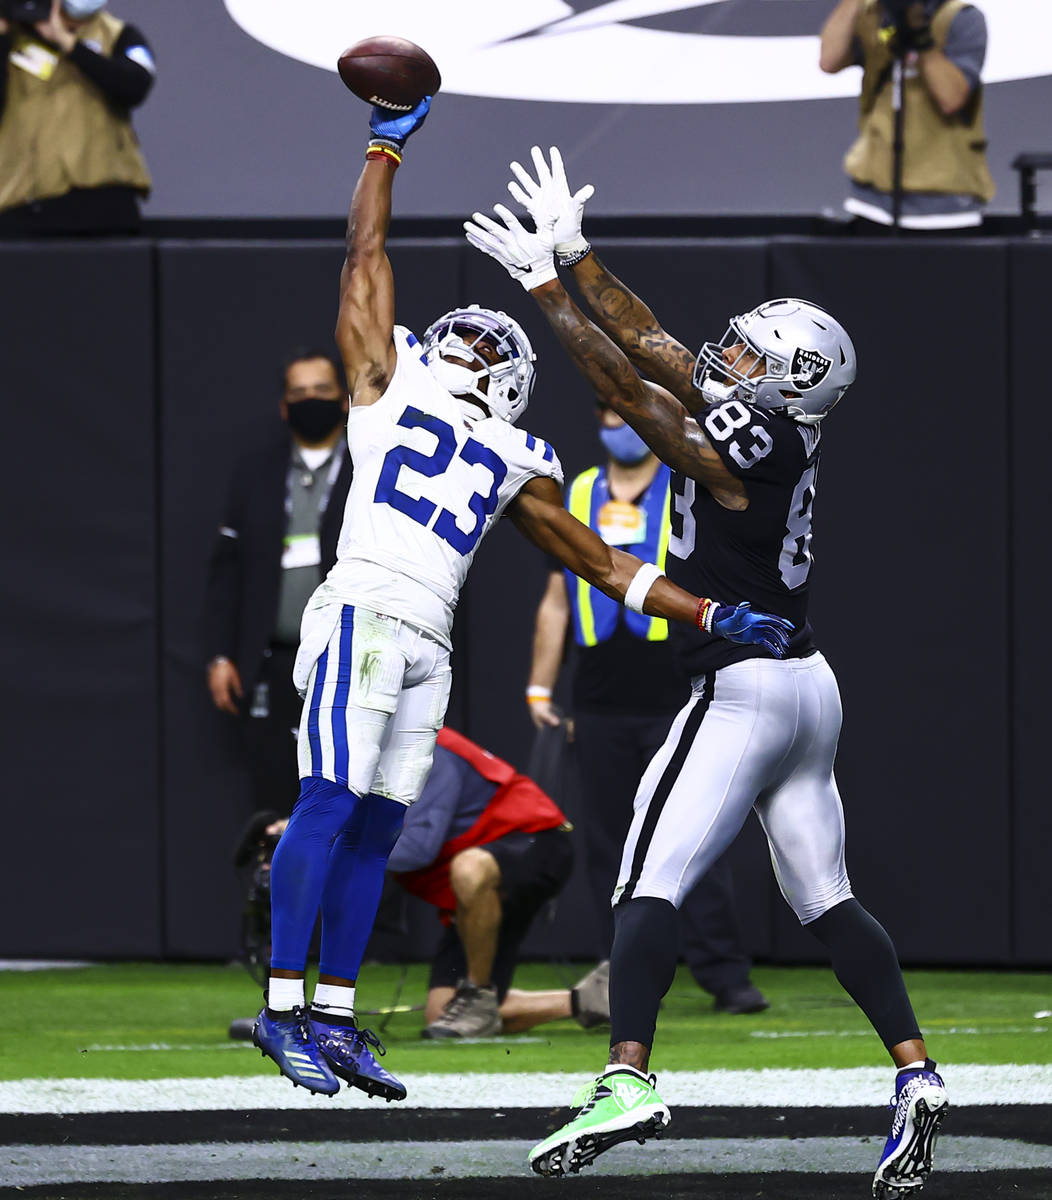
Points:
(423, 511)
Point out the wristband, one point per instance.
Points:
(705, 614)
(574, 253)
(382, 148)
(642, 582)
(537, 695)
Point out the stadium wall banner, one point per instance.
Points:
(617, 51)
(725, 98)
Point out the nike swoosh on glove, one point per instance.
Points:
(527, 257)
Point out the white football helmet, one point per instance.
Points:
(809, 361)
(456, 335)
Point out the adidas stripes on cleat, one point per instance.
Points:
(348, 1051)
(918, 1107)
(619, 1106)
(287, 1039)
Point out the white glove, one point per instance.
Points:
(548, 199)
(527, 257)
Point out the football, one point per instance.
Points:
(389, 71)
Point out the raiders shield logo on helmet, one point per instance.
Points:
(809, 367)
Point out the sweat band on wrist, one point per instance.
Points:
(535, 694)
(642, 582)
(570, 258)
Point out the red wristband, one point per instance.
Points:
(704, 604)
(384, 152)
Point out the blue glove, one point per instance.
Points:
(750, 628)
(395, 127)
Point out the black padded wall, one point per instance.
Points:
(1030, 656)
(910, 553)
(134, 375)
(81, 860)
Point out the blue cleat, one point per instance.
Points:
(287, 1039)
(918, 1107)
(346, 1049)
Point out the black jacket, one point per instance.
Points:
(244, 574)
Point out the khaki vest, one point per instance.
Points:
(61, 133)
(940, 154)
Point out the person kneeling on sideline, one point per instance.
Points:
(488, 849)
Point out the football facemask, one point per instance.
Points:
(457, 336)
(807, 361)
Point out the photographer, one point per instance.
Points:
(69, 159)
(940, 46)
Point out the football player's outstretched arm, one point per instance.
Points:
(659, 419)
(365, 324)
(620, 313)
(538, 513)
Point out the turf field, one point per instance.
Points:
(150, 1021)
(120, 1083)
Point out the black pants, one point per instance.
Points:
(612, 753)
(533, 869)
(100, 210)
(270, 715)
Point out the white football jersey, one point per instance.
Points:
(426, 490)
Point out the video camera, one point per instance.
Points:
(254, 850)
(25, 12)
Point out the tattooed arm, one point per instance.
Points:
(673, 435)
(630, 323)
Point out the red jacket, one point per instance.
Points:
(518, 806)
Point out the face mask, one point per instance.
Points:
(624, 445)
(79, 10)
(314, 419)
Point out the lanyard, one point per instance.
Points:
(330, 482)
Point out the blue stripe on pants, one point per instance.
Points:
(341, 761)
(313, 733)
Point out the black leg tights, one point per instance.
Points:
(865, 963)
(642, 967)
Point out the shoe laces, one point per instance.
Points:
(460, 1002)
(301, 1026)
(353, 1034)
(587, 1096)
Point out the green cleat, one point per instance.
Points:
(617, 1107)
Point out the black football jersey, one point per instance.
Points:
(761, 554)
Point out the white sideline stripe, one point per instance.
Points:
(952, 1030)
(42, 964)
(25, 1166)
(769, 1088)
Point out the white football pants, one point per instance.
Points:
(759, 733)
(376, 696)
